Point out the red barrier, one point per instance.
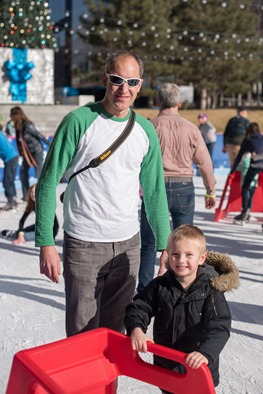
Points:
(92, 361)
(232, 191)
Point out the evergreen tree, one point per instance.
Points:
(222, 45)
(142, 26)
(215, 45)
(26, 24)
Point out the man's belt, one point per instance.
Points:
(178, 179)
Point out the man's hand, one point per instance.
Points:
(50, 263)
(139, 340)
(195, 360)
(224, 149)
(210, 202)
(163, 260)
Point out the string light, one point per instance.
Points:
(18, 22)
(185, 36)
(221, 40)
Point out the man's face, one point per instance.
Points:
(118, 99)
(243, 113)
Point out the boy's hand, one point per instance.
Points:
(195, 360)
(139, 340)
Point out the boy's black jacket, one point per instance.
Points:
(196, 319)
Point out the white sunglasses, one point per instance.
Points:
(118, 81)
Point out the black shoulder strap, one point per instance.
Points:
(108, 152)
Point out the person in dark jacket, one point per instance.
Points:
(188, 303)
(253, 143)
(235, 133)
(29, 145)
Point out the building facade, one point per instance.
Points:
(71, 56)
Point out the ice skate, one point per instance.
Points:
(242, 218)
(9, 234)
(10, 205)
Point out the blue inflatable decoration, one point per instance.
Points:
(18, 72)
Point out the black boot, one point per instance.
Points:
(243, 217)
(10, 234)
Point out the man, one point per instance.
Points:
(235, 133)
(182, 145)
(9, 156)
(101, 242)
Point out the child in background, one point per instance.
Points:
(253, 144)
(208, 132)
(188, 303)
(243, 168)
(25, 234)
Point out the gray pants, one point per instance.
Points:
(100, 280)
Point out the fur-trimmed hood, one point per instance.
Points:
(228, 275)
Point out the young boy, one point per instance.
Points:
(190, 310)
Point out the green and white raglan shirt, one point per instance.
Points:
(101, 204)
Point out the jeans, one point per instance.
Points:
(100, 279)
(39, 157)
(148, 252)
(181, 204)
(9, 178)
(232, 151)
(247, 191)
(210, 148)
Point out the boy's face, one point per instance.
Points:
(185, 256)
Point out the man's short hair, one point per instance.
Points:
(241, 108)
(168, 95)
(113, 56)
